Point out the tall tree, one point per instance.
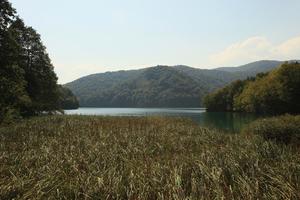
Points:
(12, 82)
(7, 13)
(28, 83)
(39, 73)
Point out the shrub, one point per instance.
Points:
(285, 128)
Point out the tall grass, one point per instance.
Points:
(76, 157)
(282, 129)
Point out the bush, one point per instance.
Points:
(285, 128)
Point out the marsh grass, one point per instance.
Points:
(84, 157)
(282, 129)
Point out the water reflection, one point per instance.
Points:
(232, 122)
(226, 120)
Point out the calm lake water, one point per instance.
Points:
(220, 120)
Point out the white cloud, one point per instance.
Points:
(289, 49)
(256, 48)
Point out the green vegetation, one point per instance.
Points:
(285, 129)
(67, 99)
(28, 84)
(76, 157)
(223, 99)
(160, 86)
(275, 92)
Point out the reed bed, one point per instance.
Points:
(282, 129)
(88, 157)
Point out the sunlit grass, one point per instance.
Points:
(77, 157)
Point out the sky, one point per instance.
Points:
(93, 36)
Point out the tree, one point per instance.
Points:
(28, 83)
(12, 82)
(67, 99)
(7, 13)
(289, 77)
(39, 74)
(276, 92)
(223, 99)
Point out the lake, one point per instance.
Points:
(233, 122)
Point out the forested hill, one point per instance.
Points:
(160, 86)
(275, 92)
(254, 67)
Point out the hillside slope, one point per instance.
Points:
(160, 86)
(256, 67)
(274, 93)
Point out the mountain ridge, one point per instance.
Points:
(159, 86)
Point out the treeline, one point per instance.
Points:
(159, 86)
(275, 92)
(28, 83)
(67, 100)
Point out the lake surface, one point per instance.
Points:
(220, 120)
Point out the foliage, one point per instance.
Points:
(27, 79)
(160, 86)
(41, 80)
(12, 83)
(85, 157)
(223, 99)
(284, 128)
(67, 99)
(272, 93)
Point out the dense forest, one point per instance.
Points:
(67, 100)
(159, 86)
(153, 87)
(28, 83)
(275, 92)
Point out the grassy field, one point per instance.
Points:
(77, 157)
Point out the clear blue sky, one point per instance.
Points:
(84, 37)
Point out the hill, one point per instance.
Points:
(275, 92)
(255, 67)
(160, 86)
